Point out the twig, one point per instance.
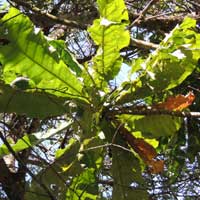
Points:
(143, 44)
(106, 145)
(142, 13)
(195, 4)
(150, 111)
(170, 19)
(55, 19)
(116, 132)
(195, 89)
(159, 15)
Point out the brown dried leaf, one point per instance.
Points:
(148, 154)
(144, 149)
(156, 166)
(176, 103)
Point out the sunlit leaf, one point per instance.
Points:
(31, 56)
(85, 186)
(64, 54)
(152, 142)
(168, 66)
(110, 35)
(153, 126)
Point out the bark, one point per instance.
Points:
(12, 183)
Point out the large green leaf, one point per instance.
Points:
(110, 35)
(168, 66)
(83, 186)
(127, 176)
(64, 54)
(153, 126)
(33, 104)
(29, 54)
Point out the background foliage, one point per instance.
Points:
(97, 99)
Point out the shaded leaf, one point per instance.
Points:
(146, 151)
(92, 158)
(54, 177)
(126, 171)
(33, 104)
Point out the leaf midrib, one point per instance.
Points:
(15, 41)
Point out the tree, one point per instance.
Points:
(68, 130)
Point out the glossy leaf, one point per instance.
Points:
(31, 55)
(110, 35)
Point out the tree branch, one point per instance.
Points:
(143, 44)
(54, 19)
(5, 176)
(149, 111)
(142, 13)
(165, 23)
